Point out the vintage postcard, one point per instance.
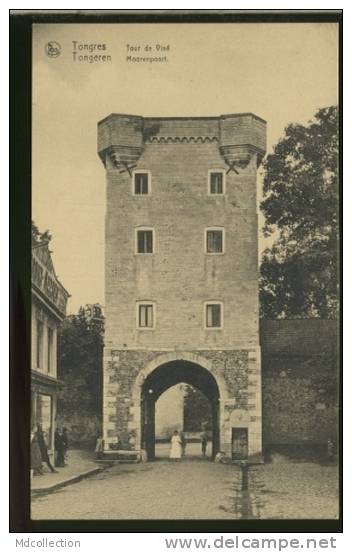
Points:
(185, 269)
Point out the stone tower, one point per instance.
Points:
(181, 273)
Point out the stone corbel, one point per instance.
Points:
(241, 160)
(236, 157)
(122, 158)
(121, 165)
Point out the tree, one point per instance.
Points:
(80, 355)
(299, 272)
(197, 410)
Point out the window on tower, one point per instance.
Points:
(145, 240)
(216, 182)
(145, 315)
(141, 183)
(214, 240)
(213, 315)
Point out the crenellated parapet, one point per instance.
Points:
(122, 138)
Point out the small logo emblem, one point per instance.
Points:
(53, 49)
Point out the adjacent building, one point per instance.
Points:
(49, 300)
(181, 273)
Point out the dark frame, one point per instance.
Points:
(20, 265)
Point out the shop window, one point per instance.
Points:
(44, 416)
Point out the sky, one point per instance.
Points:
(282, 72)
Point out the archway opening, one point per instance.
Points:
(166, 376)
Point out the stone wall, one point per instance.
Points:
(124, 374)
(300, 381)
(82, 428)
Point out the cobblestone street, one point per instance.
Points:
(197, 488)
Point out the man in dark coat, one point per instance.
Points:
(59, 449)
(183, 443)
(44, 449)
(204, 442)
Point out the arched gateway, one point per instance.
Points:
(161, 374)
(181, 274)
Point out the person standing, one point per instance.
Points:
(176, 447)
(59, 449)
(204, 442)
(99, 446)
(36, 457)
(44, 448)
(183, 443)
(65, 441)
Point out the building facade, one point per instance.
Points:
(49, 300)
(181, 273)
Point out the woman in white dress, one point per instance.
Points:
(176, 447)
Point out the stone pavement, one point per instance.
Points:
(80, 463)
(197, 488)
